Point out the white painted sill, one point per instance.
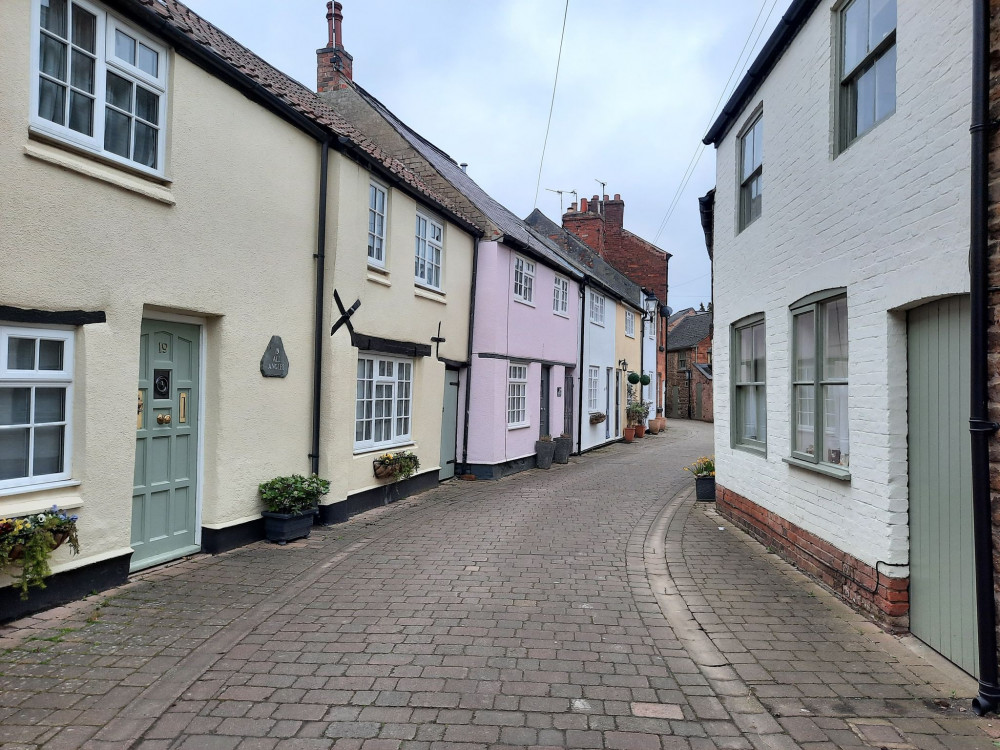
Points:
(828, 470)
(431, 294)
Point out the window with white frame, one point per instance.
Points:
(596, 308)
(751, 172)
(820, 432)
(98, 83)
(517, 395)
(383, 401)
(749, 371)
(867, 66)
(630, 324)
(36, 400)
(593, 387)
(427, 263)
(560, 296)
(376, 224)
(524, 279)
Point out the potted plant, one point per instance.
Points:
(396, 466)
(628, 433)
(704, 477)
(29, 541)
(634, 378)
(644, 379)
(596, 417)
(545, 451)
(564, 446)
(290, 505)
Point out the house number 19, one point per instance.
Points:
(162, 346)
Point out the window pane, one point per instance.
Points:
(81, 113)
(124, 47)
(805, 418)
(119, 92)
(145, 144)
(759, 356)
(864, 97)
(805, 346)
(756, 189)
(748, 166)
(50, 355)
(835, 340)
(48, 450)
(855, 34)
(54, 16)
(82, 76)
(20, 354)
(758, 143)
(51, 101)
(15, 406)
(148, 60)
(836, 443)
(84, 29)
(52, 58)
(746, 355)
(751, 409)
(885, 84)
(883, 21)
(13, 453)
(147, 105)
(50, 405)
(116, 132)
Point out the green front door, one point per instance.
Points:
(164, 495)
(449, 425)
(942, 578)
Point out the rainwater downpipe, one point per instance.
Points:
(583, 365)
(468, 369)
(980, 426)
(318, 327)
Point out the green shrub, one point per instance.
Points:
(293, 495)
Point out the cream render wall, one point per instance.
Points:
(888, 220)
(230, 239)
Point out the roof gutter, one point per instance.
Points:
(980, 425)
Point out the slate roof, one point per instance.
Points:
(705, 370)
(689, 332)
(177, 23)
(679, 314)
(597, 268)
(511, 226)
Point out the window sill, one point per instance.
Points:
(595, 323)
(27, 506)
(755, 450)
(524, 426)
(431, 294)
(561, 314)
(829, 470)
(378, 276)
(523, 301)
(359, 452)
(98, 170)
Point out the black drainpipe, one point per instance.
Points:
(583, 366)
(318, 328)
(979, 423)
(468, 369)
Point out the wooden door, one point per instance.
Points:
(449, 425)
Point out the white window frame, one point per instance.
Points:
(630, 324)
(104, 61)
(593, 387)
(428, 265)
(517, 395)
(524, 280)
(11, 378)
(376, 239)
(560, 297)
(401, 406)
(597, 308)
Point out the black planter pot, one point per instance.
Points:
(545, 451)
(704, 488)
(284, 527)
(564, 446)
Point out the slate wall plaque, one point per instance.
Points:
(274, 363)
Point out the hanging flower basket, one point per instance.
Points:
(597, 417)
(28, 542)
(396, 466)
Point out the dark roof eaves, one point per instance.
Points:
(788, 27)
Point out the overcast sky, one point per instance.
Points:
(638, 84)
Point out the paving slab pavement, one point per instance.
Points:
(594, 605)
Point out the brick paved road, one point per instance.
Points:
(590, 606)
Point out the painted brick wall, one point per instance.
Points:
(888, 220)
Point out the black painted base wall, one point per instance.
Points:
(214, 541)
(65, 587)
(376, 497)
(496, 471)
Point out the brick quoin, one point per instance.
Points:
(884, 599)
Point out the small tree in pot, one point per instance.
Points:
(290, 505)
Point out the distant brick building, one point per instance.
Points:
(689, 368)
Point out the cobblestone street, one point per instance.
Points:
(595, 605)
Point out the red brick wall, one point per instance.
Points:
(886, 600)
(678, 377)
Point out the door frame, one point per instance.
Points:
(202, 323)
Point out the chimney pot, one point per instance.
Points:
(572, 207)
(594, 199)
(618, 196)
(583, 205)
(338, 24)
(329, 22)
(605, 197)
(464, 165)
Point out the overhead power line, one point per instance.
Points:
(552, 104)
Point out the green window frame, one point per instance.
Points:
(867, 70)
(748, 376)
(751, 171)
(819, 382)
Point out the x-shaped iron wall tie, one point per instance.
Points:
(345, 315)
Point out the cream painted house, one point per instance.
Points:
(163, 227)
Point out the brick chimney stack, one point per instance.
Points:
(587, 224)
(334, 66)
(614, 212)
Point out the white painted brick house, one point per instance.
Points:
(867, 229)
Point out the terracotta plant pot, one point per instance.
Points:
(628, 434)
(640, 430)
(654, 426)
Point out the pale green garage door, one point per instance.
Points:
(942, 577)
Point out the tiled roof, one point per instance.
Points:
(192, 28)
(689, 332)
(680, 314)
